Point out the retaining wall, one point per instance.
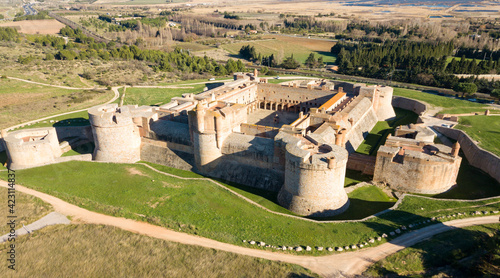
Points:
(477, 157)
(409, 104)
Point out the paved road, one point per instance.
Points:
(52, 218)
(343, 264)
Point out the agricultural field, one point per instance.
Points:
(43, 27)
(484, 129)
(186, 205)
(85, 250)
(466, 252)
(284, 46)
(28, 209)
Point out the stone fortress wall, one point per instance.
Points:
(116, 137)
(35, 147)
(314, 178)
(477, 157)
(304, 160)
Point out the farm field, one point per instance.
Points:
(284, 46)
(137, 192)
(466, 252)
(484, 129)
(43, 27)
(86, 250)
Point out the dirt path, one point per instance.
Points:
(344, 264)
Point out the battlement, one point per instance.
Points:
(110, 115)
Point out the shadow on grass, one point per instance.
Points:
(353, 177)
(72, 122)
(359, 209)
(87, 148)
(472, 183)
(3, 159)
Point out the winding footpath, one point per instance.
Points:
(337, 265)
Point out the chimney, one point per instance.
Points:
(341, 90)
(455, 149)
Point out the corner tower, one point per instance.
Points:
(116, 137)
(314, 179)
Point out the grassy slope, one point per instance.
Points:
(27, 209)
(157, 96)
(382, 129)
(198, 207)
(485, 129)
(104, 251)
(24, 101)
(458, 253)
(450, 105)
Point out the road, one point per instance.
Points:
(337, 265)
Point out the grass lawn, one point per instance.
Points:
(157, 96)
(485, 129)
(283, 47)
(73, 119)
(102, 251)
(472, 183)
(201, 208)
(382, 129)
(450, 105)
(24, 101)
(28, 209)
(364, 202)
(467, 252)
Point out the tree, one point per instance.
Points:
(467, 89)
(290, 63)
(311, 61)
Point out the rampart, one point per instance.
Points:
(409, 104)
(417, 171)
(477, 156)
(314, 179)
(32, 147)
(116, 137)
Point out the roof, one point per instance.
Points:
(332, 101)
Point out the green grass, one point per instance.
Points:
(467, 252)
(472, 183)
(354, 177)
(73, 119)
(81, 149)
(449, 104)
(485, 129)
(281, 49)
(382, 129)
(157, 96)
(24, 101)
(87, 250)
(28, 209)
(365, 201)
(201, 208)
(3, 160)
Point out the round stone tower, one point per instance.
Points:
(314, 179)
(33, 147)
(116, 137)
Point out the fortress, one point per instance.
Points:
(294, 138)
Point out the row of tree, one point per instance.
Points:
(85, 47)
